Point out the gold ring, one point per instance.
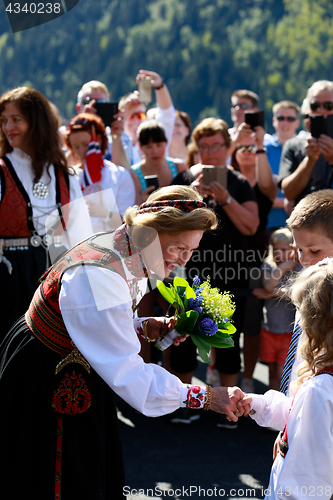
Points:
(236, 412)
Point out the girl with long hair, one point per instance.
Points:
(304, 465)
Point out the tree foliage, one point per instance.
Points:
(204, 50)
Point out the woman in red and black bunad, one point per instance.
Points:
(78, 343)
(35, 185)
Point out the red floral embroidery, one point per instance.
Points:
(140, 332)
(195, 397)
(72, 395)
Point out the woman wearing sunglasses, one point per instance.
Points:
(251, 160)
(285, 122)
(306, 163)
(37, 193)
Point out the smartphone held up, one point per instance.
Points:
(107, 111)
(255, 118)
(152, 180)
(320, 125)
(145, 90)
(212, 173)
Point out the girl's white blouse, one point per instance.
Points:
(307, 470)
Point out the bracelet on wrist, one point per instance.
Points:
(227, 202)
(144, 328)
(208, 397)
(160, 87)
(261, 151)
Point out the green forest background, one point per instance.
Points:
(203, 49)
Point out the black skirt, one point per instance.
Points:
(90, 451)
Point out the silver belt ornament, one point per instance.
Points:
(34, 241)
(14, 244)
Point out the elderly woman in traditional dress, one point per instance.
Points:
(78, 342)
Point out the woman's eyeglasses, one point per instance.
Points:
(328, 105)
(250, 149)
(139, 114)
(288, 118)
(214, 147)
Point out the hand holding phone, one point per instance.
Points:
(106, 110)
(255, 118)
(152, 180)
(321, 125)
(145, 92)
(211, 174)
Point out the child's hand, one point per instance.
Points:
(245, 404)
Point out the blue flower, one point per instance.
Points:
(196, 282)
(208, 327)
(198, 291)
(195, 304)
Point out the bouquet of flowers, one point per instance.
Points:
(202, 312)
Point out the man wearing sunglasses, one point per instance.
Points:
(241, 100)
(285, 122)
(119, 149)
(306, 163)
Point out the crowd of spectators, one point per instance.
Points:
(144, 148)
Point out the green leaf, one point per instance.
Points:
(227, 327)
(181, 308)
(178, 281)
(203, 348)
(181, 291)
(167, 293)
(190, 293)
(186, 322)
(216, 340)
(183, 285)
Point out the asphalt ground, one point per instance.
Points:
(198, 460)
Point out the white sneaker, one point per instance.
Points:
(247, 385)
(213, 377)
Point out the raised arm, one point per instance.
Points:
(297, 181)
(266, 180)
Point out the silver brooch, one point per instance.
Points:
(40, 190)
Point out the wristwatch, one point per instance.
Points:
(227, 202)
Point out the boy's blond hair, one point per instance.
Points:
(314, 213)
